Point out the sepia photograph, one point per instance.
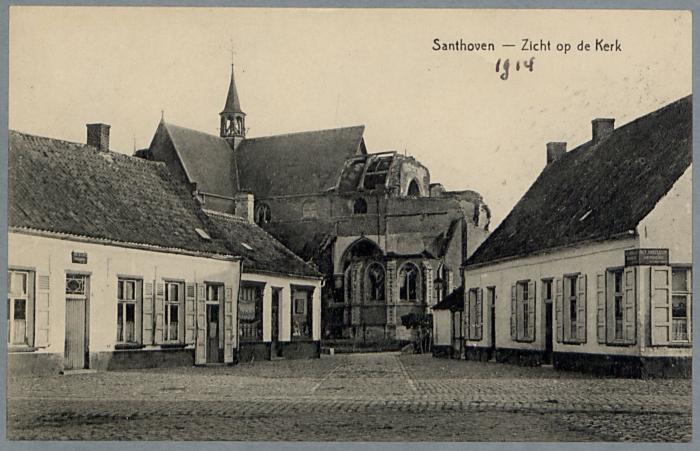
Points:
(298, 224)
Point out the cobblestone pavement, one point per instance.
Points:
(368, 397)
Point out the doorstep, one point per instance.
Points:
(71, 372)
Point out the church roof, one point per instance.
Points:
(74, 189)
(297, 163)
(207, 159)
(600, 190)
(233, 102)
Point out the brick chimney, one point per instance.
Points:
(602, 127)
(98, 136)
(555, 150)
(245, 206)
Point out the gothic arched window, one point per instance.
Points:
(413, 189)
(375, 282)
(359, 207)
(408, 282)
(262, 214)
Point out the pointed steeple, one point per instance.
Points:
(232, 116)
(233, 103)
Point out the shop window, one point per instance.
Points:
(302, 313)
(129, 299)
(263, 215)
(408, 282)
(359, 207)
(20, 308)
(680, 309)
(375, 282)
(250, 312)
(174, 297)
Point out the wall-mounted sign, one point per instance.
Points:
(79, 257)
(654, 257)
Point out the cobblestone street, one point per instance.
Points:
(368, 397)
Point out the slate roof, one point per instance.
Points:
(453, 301)
(598, 190)
(296, 163)
(264, 253)
(71, 188)
(208, 159)
(233, 102)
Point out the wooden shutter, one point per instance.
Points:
(600, 307)
(159, 313)
(147, 319)
(466, 317)
(629, 312)
(513, 312)
(228, 324)
(559, 308)
(200, 356)
(41, 317)
(190, 314)
(479, 314)
(531, 304)
(661, 305)
(581, 309)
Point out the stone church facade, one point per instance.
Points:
(388, 240)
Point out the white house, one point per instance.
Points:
(592, 269)
(111, 263)
(448, 325)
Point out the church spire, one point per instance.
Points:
(232, 116)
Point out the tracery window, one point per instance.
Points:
(262, 214)
(375, 282)
(408, 282)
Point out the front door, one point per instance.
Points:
(275, 349)
(213, 333)
(76, 341)
(548, 336)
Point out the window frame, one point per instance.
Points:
(370, 288)
(258, 290)
(263, 213)
(137, 302)
(688, 294)
(305, 318)
(403, 279)
(28, 295)
(179, 303)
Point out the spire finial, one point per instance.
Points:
(232, 54)
(162, 115)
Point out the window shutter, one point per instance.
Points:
(200, 356)
(581, 309)
(600, 307)
(520, 304)
(41, 318)
(559, 307)
(190, 314)
(531, 303)
(473, 318)
(660, 305)
(159, 313)
(513, 312)
(478, 312)
(629, 314)
(147, 322)
(228, 324)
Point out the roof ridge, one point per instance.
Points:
(362, 126)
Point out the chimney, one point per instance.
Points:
(245, 206)
(98, 136)
(555, 150)
(602, 127)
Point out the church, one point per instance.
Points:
(388, 240)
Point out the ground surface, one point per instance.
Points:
(367, 397)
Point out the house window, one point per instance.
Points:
(408, 282)
(359, 207)
(262, 214)
(618, 304)
(547, 291)
(174, 296)
(309, 209)
(375, 282)
(681, 284)
(523, 311)
(250, 312)
(20, 308)
(571, 284)
(301, 313)
(474, 314)
(129, 296)
(571, 309)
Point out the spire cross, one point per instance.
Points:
(232, 52)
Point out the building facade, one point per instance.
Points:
(592, 269)
(387, 240)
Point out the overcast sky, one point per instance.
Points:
(300, 70)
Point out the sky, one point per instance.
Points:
(310, 69)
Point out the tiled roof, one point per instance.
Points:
(260, 251)
(453, 301)
(70, 188)
(297, 163)
(598, 190)
(208, 160)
